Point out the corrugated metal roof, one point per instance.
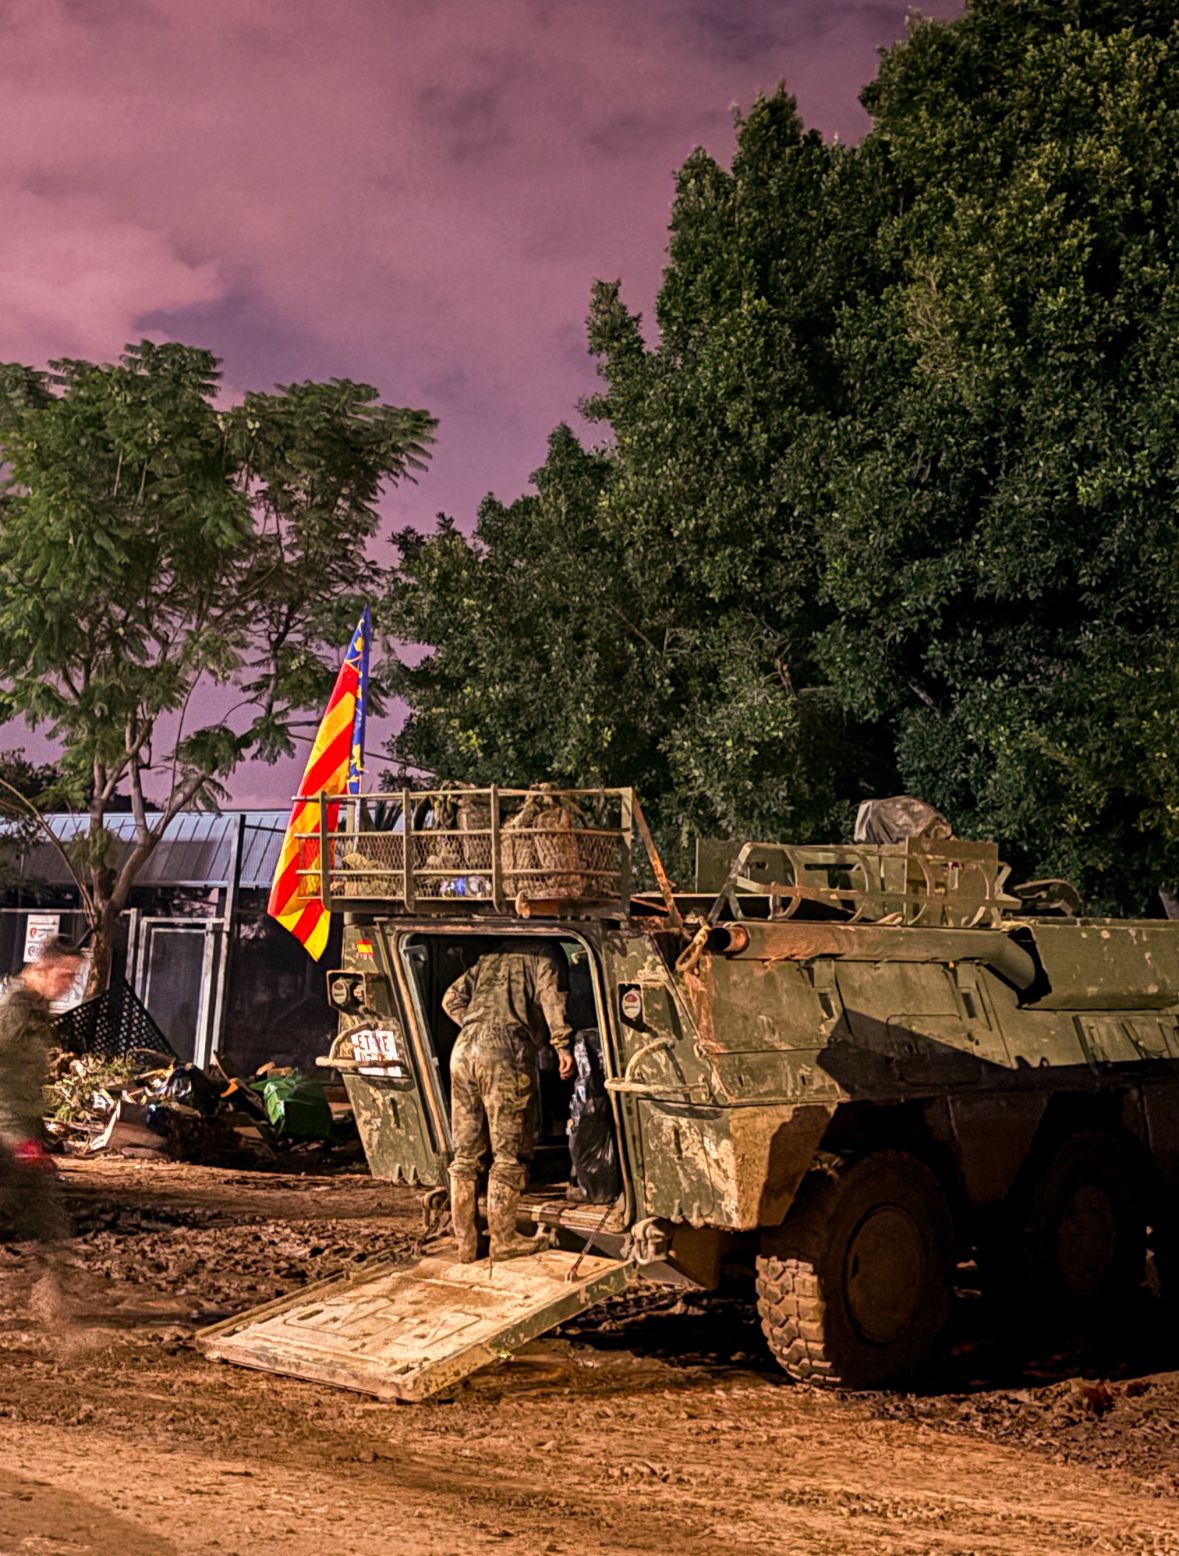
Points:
(195, 851)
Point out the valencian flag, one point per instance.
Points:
(335, 763)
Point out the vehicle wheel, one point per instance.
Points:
(1082, 1232)
(854, 1288)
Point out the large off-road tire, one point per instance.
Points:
(1080, 1233)
(854, 1288)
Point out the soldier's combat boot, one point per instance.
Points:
(462, 1217)
(503, 1200)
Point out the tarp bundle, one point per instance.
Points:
(893, 820)
(295, 1105)
(458, 808)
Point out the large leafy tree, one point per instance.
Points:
(717, 428)
(159, 556)
(891, 499)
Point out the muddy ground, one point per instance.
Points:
(656, 1423)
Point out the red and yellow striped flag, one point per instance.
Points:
(294, 899)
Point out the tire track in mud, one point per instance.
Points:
(632, 1432)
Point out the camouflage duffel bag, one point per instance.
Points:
(457, 809)
(541, 847)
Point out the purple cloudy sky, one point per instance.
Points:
(417, 193)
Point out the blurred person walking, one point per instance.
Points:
(30, 1196)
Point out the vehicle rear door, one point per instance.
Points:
(390, 1076)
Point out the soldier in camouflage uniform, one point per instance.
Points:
(508, 1006)
(28, 1180)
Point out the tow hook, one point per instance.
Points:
(649, 1242)
(435, 1207)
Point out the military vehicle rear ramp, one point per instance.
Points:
(402, 1331)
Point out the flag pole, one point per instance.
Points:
(334, 767)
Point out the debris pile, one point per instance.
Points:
(146, 1105)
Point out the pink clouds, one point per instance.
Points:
(74, 275)
(417, 193)
(414, 192)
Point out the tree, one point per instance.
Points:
(999, 524)
(716, 431)
(25, 788)
(158, 554)
(24, 783)
(891, 500)
(523, 679)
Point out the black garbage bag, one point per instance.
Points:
(191, 1087)
(591, 1123)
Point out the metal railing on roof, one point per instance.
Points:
(458, 850)
(936, 883)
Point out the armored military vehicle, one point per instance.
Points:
(851, 1069)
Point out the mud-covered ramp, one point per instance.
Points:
(651, 1425)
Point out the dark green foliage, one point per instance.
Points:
(24, 783)
(1000, 535)
(26, 789)
(891, 502)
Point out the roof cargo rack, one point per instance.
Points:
(488, 852)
